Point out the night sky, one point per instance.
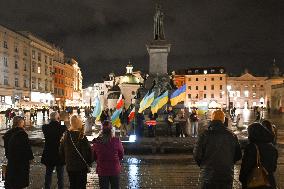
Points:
(104, 34)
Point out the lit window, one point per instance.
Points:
(205, 71)
(38, 69)
(33, 54)
(253, 86)
(246, 93)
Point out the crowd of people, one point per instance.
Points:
(216, 151)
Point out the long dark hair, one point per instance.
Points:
(106, 131)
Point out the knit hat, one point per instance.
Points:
(218, 115)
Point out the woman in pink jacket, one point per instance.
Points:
(108, 152)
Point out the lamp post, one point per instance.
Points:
(229, 87)
(90, 91)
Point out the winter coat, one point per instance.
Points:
(19, 153)
(268, 154)
(216, 152)
(108, 156)
(52, 133)
(67, 151)
(193, 117)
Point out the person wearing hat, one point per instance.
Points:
(108, 152)
(216, 151)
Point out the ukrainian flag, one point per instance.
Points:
(143, 102)
(178, 95)
(115, 118)
(147, 103)
(159, 102)
(98, 108)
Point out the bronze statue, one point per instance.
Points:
(159, 24)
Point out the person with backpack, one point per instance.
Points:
(19, 154)
(259, 153)
(76, 152)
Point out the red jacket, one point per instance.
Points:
(108, 156)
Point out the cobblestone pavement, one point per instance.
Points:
(147, 171)
(156, 171)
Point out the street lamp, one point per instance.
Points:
(229, 87)
(90, 91)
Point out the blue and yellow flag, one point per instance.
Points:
(178, 95)
(98, 108)
(159, 102)
(147, 103)
(143, 101)
(115, 118)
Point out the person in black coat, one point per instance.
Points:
(19, 154)
(50, 156)
(260, 136)
(216, 152)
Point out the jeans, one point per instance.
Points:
(104, 182)
(60, 176)
(194, 128)
(77, 179)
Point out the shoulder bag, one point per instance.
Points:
(259, 175)
(81, 156)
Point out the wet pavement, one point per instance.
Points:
(156, 171)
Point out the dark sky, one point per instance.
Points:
(103, 34)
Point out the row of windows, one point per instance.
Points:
(38, 84)
(58, 91)
(16, 82)
(58, 71)
(16, 48)
(205, 87)
(205, 79)
(39, 57)
(205, 96)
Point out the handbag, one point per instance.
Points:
(3, 171)
(76, 149)
(259, 175)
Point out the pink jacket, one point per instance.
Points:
(108, 156)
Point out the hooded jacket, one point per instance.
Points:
(216, 152)
(260, 136)
(108, 156)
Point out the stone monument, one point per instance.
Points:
(158, 49)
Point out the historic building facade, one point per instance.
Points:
(205, 87)
(15, 67)
(31, 67)
(41, 57)
(277, 97)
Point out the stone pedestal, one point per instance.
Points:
(158, 53)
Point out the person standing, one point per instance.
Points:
(43, 112)
(170, 117)
(123, 119)
(19, 154)
(108, 152)
(76, 151)
(50, 156)
(216, 151)
(140, 118)
(152, 127)
(194, 123)
(7, 116)
(260, 139)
